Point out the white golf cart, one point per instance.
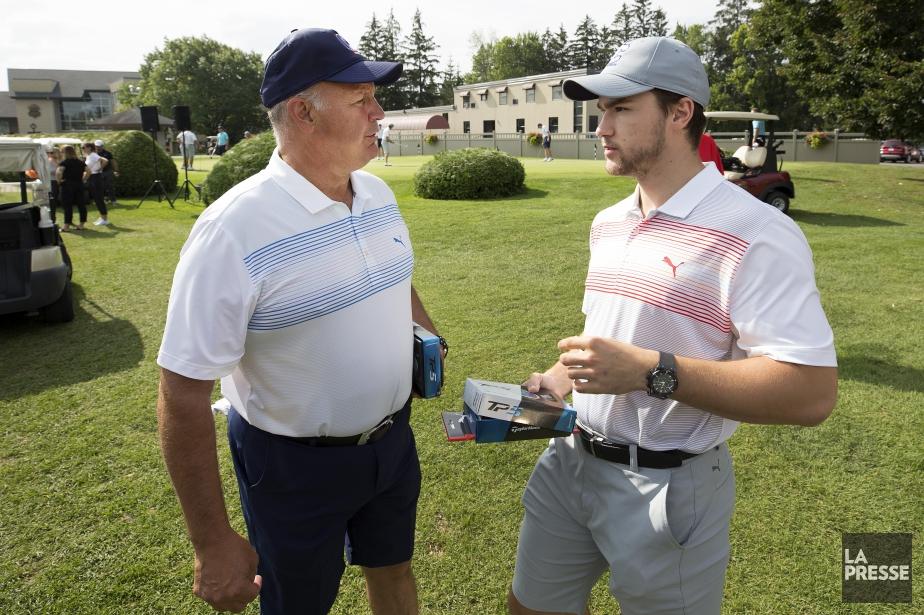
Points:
(35, 269)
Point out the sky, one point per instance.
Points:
(117, 35)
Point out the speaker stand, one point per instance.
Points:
(156, 185)
(186, 185)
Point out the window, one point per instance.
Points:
(483, 96)
(76, 114)
(488, 126)
(466, 101)
(502, 98)
(556, 92)
(553, 124)
(592, 122)
(521, 124)
(578, 116)
(531, 95)
(466, 126)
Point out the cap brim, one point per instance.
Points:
(595, 86)
(367, 71)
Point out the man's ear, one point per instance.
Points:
(682, 113)
(301, 111)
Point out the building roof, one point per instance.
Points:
(127, 120)
(417, 122)
(7, 105)
(527, 82)
(53, 83)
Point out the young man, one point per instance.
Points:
(110, 171)
(546, 142)
(306, 267)
(378, 140)
(188, 141)
(701, 312)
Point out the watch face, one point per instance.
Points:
(663, 382)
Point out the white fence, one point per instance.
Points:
(841, 147)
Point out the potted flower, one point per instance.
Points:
(534, 138)
(431, 139)
(816, 139)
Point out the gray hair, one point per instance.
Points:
(279, 116)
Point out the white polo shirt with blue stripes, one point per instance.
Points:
(714, 274)
(301, 306)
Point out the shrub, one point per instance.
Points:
(534, 138)
(132, 150)
(246, 158)
(470, 173)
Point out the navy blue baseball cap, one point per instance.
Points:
(312, 55)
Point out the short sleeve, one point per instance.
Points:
(775, 306)
(211, 302)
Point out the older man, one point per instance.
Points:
(295, 289)
(702, 312)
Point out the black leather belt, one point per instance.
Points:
(367, 437)
(619, 453)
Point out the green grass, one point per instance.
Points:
(90, 524)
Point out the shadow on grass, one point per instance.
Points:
(798, 178)
(912, 179)
(824, 218)
(97, 232)
(38, 356)
(872, 363)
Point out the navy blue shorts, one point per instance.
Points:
(305, 505)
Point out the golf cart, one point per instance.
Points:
(756, 168)
(35, 269)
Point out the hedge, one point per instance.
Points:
(248, 157)
(134, 155)
(471, 173)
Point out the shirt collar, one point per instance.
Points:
(692, 193)
(306, 193)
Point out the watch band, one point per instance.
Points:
(444, 344)
(667, 361)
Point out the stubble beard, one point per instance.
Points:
(638, 162)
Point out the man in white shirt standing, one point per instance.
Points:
(701, 312)
(546, 142)
(188, 141)
(295, 289)
(386, 142)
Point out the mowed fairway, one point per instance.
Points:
(90, 523)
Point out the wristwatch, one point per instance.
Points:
(444, 344)
(662, 379)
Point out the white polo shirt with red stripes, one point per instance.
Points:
(712, 274)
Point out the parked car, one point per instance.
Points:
(35, 269)
(758, 169)
(894, 150)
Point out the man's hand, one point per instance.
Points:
(555, 380)
(601, 365)
(226, 574)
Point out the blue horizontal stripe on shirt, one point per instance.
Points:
(282, 251)
(308, 308)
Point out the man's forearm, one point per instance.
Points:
(758, 390)
(419, 313)
(187, 438)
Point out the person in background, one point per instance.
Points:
(70, 181)
(386, 142)
(546, 142)
(248, 134)
(306, 268)
(710, 152)
(222, 141)
(188, 141)
(52, 158)
(110, 172)
(93, 175)
(759, 128)
(378, 139)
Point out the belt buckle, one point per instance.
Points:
(367, 435)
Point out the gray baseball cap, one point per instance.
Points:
(644, 64)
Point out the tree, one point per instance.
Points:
(694, 36)
(220, 84)
(451, 78)
(623, 29)
(583, 46)
(391, 96)
(720, 57)
(372, 41)
(555, 46)
(641, 14)
(859, 64)
(420, 66)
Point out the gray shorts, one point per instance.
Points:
(663, 534)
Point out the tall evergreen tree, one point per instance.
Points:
(420, 65)
(658, 24)
(623, 27)
(371, 42)
(451, 77)
(720, 56)
(605, 48)
(641, 15)
(583, 45)
(555, 46)
(391, 97)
